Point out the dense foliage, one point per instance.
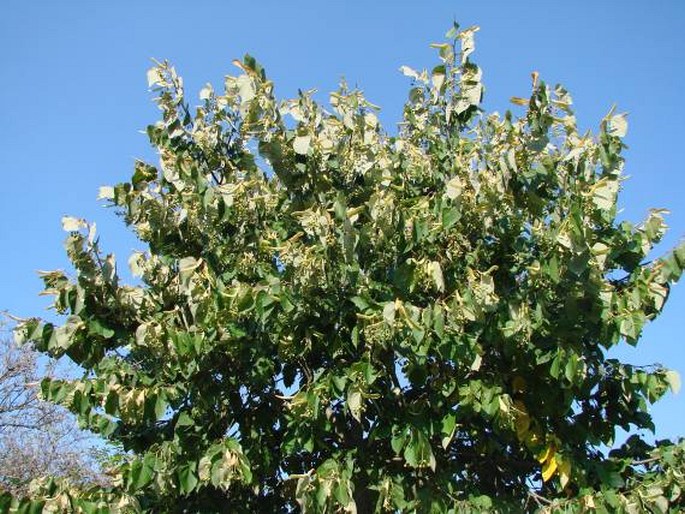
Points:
(330, 318)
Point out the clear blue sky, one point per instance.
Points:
(74, 98)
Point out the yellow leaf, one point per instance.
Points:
(548, 469)
(564, 472)
(518, 101)
(503, 405)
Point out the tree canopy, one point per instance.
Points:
(333, 318)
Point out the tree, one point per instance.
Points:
(331, 318)
(37, 438)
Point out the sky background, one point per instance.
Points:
(74, 100)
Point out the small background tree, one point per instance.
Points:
(331, 318)
(37, 438)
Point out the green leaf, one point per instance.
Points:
(246, 470)
(571, 368)
(449, 426)
(187, 478)
(354, 403)
(96, 327)
(399, 438)
(631, 325)
(418, 333)
(450, 217)
(360, 303)
(418, 452)
(436, 272)
(142, 472)
(389, 312)
(184, 420)
(439, 321)
(143, 174)
(341, 493)
(453, 31)
(160, 406)
(555, 368)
